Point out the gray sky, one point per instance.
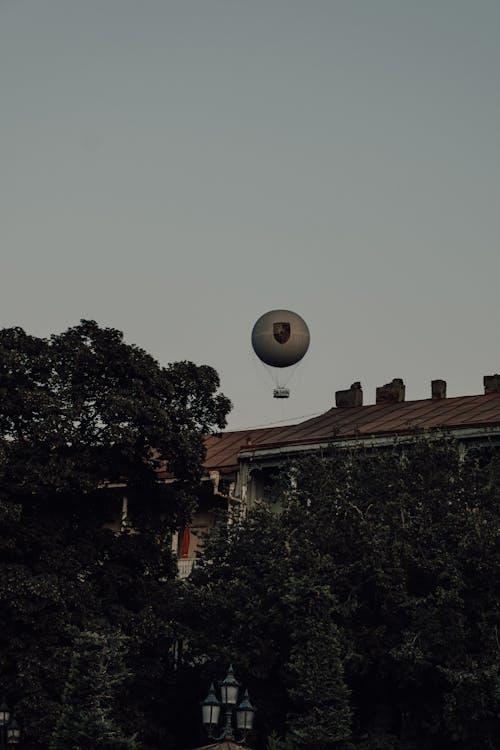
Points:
(176, 169)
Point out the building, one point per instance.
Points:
(239, 465)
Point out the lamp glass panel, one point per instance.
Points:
(13, 736)
(210, 714)
(229, 694)
(4, 716)
(244, 719)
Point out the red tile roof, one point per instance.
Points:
(358, 422)
(223, 449)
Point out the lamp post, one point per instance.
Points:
(10, 733)
(211, 710)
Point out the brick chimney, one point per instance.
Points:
(351, 397)
(438, 388)
(391, 393)
(491, 383)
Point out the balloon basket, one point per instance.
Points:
(281, 393)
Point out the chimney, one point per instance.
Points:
(391, 393)
(438, 388)
(491, 384)
(351, 397)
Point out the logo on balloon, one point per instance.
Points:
(281, 332)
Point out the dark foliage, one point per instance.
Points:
(88, 720)
(365, 614)
(80, 414)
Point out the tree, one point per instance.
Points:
(258, 600)
(90, 699)
(412, 542)
(83, 408)
(84, 420)
(364, 613)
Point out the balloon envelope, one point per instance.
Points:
(280, 338)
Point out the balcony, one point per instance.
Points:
(185, 566)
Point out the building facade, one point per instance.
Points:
(239, 465)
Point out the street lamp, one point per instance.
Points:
(211, 709)
(10, 733)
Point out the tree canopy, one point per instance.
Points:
(363, 614)
(83, 407)
(96, 676)
(86, 419)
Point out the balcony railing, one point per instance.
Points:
(185, 566)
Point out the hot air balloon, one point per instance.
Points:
(280, 338)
